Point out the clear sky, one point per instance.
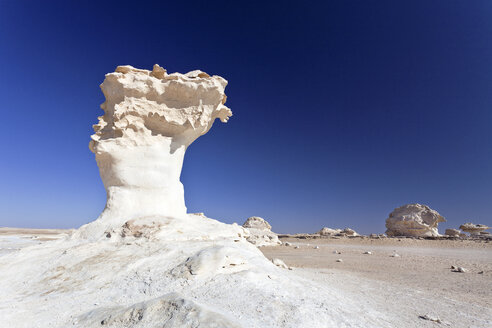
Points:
(343, 110)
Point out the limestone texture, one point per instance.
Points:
(150, 118)
(260, 233)
(413, 220)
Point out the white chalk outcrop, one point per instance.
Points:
(413, 220)
(326, 232)
(145, 262)
(474, 229)
(260, 233)
(150, 118)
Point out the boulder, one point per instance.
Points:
(413, 220)
(260, 233)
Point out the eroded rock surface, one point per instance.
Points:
(414, 220)
(150, 118)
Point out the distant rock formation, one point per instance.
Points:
(329, 232)
(337, 232)
(452, 232)
(473, 229)
(413, 220)
(260, 233)
(349, 232)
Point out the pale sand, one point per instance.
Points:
(418, 282)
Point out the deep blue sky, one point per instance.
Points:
(343, 110)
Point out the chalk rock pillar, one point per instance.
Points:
(150, 118)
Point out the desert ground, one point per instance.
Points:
(417, 284)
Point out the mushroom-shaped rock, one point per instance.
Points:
(150, 118)
(413, 220)
(260, 233)
(473, 229)
(452, 232)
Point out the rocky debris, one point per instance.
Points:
(260, 233)
(414, 220)
(287, 244)
(432, 318)
(339, 260)
(296, 247)
(316, 247)
(337, 252)
(395, 254)
(377, 236)
(473, 229)
(280, 263)
(458, 269)
(452, 232)
(368, 253)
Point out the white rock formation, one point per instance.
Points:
(145, 262)
(473, 229)
(337, 232)
(150, 118)
(413, 220)
(349, 232)
(452, 232)
(329, 232)
(260, 233)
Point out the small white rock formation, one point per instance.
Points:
(413, 220)
(349, 232)
(280, 263)
(329, 232)
(255, 222)
(473, 229)
(260, 233)
(452, 232)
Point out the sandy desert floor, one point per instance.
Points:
(418, 282)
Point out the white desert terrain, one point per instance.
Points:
(146, 262)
